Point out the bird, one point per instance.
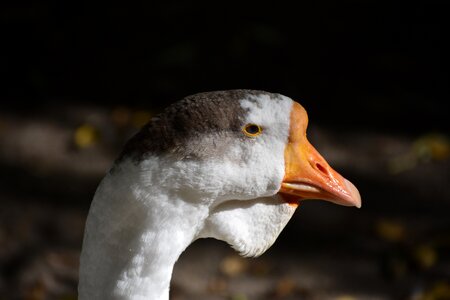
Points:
(231, 165)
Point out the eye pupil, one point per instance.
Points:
(252, 130)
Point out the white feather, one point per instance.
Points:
(143, 216)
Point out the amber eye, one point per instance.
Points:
(252, 130)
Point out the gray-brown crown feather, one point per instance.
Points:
(175, 130)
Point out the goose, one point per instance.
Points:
(231, 165)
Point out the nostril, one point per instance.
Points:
(321, 168)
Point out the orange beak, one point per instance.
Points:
(307, 174)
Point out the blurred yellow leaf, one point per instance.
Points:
(425, 255)
(390, 230)
(239, 297)
(233, 265)
(140, 118)
(432, 146)
(86, 135)
(428, 147)
(345, 297)
(440, 291)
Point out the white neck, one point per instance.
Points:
(133, 239)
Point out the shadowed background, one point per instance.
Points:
(80, 79)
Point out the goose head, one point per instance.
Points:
(231, 165)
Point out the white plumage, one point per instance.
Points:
(147, 211)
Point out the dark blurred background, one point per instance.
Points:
(78, 79)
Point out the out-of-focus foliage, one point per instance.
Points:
(389, 230)
(431, 147)
(285, 287)
(140, 118)
(239, 296)
(438, 291)
(86, 135)
(233, 265)
(425, 255)
(80, 80)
